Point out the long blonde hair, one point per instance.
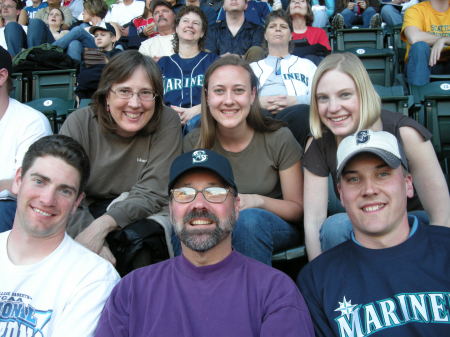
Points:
(369, 101)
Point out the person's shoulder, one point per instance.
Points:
(82, 115)
(148, 41)
(191, 139)
(86, 262)
(169, 118)
(438, 234)
(140, 279)
(330, 258)
(26, 113)
(262, 273)
(163, 61)
(317, 30)
(251, 25)
(282, 132)
(210, 57)
(217, 26)
(303, 62)
(423, 6)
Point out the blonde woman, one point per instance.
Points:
(344, 102)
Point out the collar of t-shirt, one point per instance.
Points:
(413, 224)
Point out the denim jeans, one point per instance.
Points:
(38, 33)
(75, 41)
(417, 69)
(258, 234)
(338, 228)
(15, 37)
(391, 15)
(7, 213)
(351, 17)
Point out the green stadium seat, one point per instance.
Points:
(54, 83)
(55, 108)
(436, 102)
(19, 87)
(359, 38)
(394, 99)
(378, 63)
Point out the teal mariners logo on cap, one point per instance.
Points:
(199, 157)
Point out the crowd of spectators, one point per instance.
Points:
(260, 87)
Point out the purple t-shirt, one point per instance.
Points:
(238, 297)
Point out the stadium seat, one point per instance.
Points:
(436, 101)
(378, 63)
(18, 89)
(55, 108)
(394, 99)
(53, 83)
(359, 38)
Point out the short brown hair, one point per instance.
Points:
(119, 69)
(96, 7)
(186, 10)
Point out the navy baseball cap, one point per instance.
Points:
(205, 159)
(105, 26)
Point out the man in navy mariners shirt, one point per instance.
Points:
(393, 277)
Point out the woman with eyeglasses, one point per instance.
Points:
(131, 139)
(264, 155)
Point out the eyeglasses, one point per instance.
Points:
(126, 93)
(215, 195)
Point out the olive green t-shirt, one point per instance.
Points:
(256, 168)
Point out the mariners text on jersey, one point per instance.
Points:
(365, 319)
(180, 83)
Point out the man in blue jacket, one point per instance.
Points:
(236, 35)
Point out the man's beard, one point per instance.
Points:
(201, 240)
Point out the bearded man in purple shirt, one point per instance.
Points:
(209, 290)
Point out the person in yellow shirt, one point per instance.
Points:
(426, 30)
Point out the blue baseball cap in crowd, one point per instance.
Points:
(381, 143)
(205, 159)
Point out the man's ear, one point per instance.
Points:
(17, 181)
(409, 185)
(3, 76)
(237, 205)
(77, 202)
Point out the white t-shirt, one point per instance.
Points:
(60, 296)
(20, 127)
(157, 46)
(123, 14)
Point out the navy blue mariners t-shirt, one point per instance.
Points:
(399, 291)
